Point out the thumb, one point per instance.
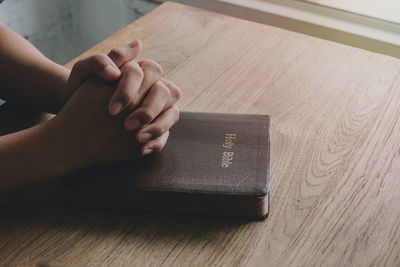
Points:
(97, 65)
(121, 55)
(103, 66)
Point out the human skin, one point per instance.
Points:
(22, 72)
(30, 79)
(82, 134)
(88, 129)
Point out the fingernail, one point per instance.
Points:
(145, 137)
(116, 108)
(147, 151)
(132, 124)
(135, 43)
(112, 70)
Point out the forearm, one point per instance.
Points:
(29, 157)
(27, 77)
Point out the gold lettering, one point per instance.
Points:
(229, 140)
(227, 158)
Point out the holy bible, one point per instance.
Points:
(215, 163)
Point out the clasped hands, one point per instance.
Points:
(116, 109)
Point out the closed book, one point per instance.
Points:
(215, 163)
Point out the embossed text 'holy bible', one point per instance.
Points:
(212, 163)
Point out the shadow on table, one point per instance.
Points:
(40, 207)
(44, 207)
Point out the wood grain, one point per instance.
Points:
(335, 156)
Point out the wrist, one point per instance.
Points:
(50, 83)
(62, 92)
(29, 157)
(51, 149)
(65, 156)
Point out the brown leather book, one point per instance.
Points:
(212, 163)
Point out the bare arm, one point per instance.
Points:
(29, 78)
(75, 138)
(28, 157)
(84, 133)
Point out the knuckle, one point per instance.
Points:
(161, 88)
(124, 96)
(158, 146)
(158, 130)
(176, 112)
(147, 115)
(176, 93)
(100, 60)
(117, 54)
(158, 69)
(135, 102)
(133, 67)
(151, 65)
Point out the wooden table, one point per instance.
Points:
(335, 156)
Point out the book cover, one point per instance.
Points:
(212, 163)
